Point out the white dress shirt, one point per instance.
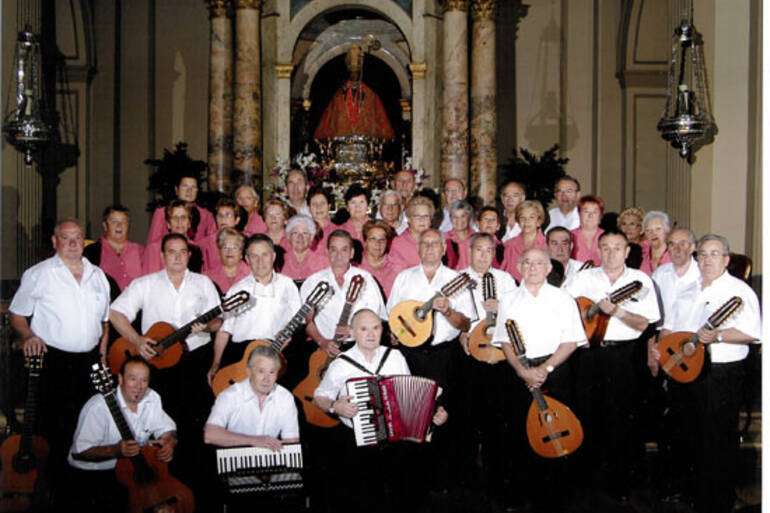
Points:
(569, 221)
(671, 285)
(412, 284)
(544, 321)
(160, 301)
(327, 318)
(65, 314)
(96, 427)
(511, 232)
(505, 285)
(339, 372)
(695, 305)
(237, 410)
(573, 266)
(595, 285)
(268, 310)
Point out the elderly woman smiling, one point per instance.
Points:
(300, 261)
(656, 227)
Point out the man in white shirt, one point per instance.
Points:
(549, 323)
(606, 376)
(375, 475)
(273, 300)
(511, 194)
(391, 211)
(559, 243)
(438, 358)
(717, 390)
(97, 443)
(565, 213)
(68, 300)
(323, 328)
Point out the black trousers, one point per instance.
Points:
(92, 491)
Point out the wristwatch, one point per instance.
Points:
(549, 369)
(331, 410)
(719, 337)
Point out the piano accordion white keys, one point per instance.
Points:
(258, 470)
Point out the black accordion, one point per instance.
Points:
(254, 470)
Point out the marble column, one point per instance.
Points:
(247, 114)
(483, 101)
(419, 121)
(454, 100)
(220, 96)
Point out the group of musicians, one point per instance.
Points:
(397, 257)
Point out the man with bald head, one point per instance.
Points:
(68, 299)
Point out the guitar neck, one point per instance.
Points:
(344, 318)
(539, 398)
(428, 305)
(117, 415)
(30, 411)
(284, 336)
(185, 330)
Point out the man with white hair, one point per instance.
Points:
(392, 212)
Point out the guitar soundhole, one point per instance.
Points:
(23, 462)
(683, 366)
(670, 351)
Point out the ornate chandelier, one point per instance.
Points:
(24, 126)
(687, 122)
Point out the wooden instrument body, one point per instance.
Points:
(19, 472)
(674, 359)
(122, 348)
(159, 491)
(239, 370)
(595, 321)
(479, 344)
(411, 329)
(319, 362)
(552, 429)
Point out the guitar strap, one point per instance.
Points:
(361, 367)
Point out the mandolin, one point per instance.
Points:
(239, 370)
(552, 429)
(481, 336)
(170, 341)
(594, 320)
(150, 486)
(23, 455)
(412, 321)
(682, 354)
(320, 360)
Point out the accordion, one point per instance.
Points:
(257, 470)
(392, 408)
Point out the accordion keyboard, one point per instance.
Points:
(368, 425)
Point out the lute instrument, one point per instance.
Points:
(239, 370)
(594, 320)
(412, 321)
(320, 360)
(552, 429)
(479, 343)
(682, 353)
(170, 344)
(150, 485)
(23, 455)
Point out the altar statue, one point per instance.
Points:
(355, 108)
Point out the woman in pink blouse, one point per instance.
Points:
(320, 202)
(530, 215)
(300, 261)
(378, 236)
(247, 198)
(276, 214)
(419, 213)
(656, 227)
(586, 238)
(458, 239)
(357, 201)
(232, 269)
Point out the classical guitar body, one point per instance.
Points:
(595, 321)
(319, 362)
(19, 472)
(681, 356)
(122, 348)
(158, 490)
(239, 370)
(407, 326)
(552, 429)
(480, 347)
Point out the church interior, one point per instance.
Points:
(453, 89)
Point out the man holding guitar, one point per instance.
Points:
(98, 444)
(606, 374)
(549, 323)
(717, 391)
(437, 358)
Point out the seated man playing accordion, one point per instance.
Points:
(374, 475)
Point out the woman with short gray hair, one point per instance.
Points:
(458, 249)
(656, 226)
(300, 261)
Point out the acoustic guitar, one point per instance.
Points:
(682, 354)
(594, 320)
(320, 360)
(412, 321)
(150, 486)
(23, 455)
(170, 341)
(481, 336)
(239, 370)
(552, 429)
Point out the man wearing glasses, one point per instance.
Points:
(565, 213)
